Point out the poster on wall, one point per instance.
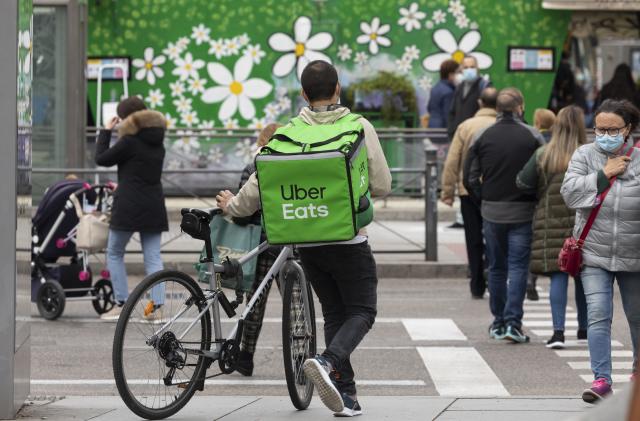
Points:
(531, 59)
(117, 68)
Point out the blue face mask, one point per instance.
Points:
(610, 143)
(469, 74)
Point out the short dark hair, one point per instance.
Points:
(489, 97)
(624, 109)
(129, 106)
(319, 80)
(447, 67)
(509, 99)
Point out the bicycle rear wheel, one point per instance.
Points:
(156, 365)
(298, 333)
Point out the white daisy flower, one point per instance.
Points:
(439, 17)
(361, 58)
(428, 24)
(372, 35)
(200, 33)
(284, 103)
(452, 49)
(174, 164)
(206, 129)
(218, 48)
(403, 65)
(233, 46)
(271, 110)
(244, 39)
(425, 83)
(236, 89)
(173, 51)
(344, 52)
(230, 124)
(155, 98)
(473, 25)
(187, 67)
(149, 66)
(456, 8)
(258, 123)
(186, 143)
(215, 154)
(196, 85)
(177, 88)
(24, 40)
(189, 118)
(171, 122)
(411, 17)
(255, 52)
(462, 22)
(182, 104)
(183, 42)
(411, 52)
(301, 49)
(246, 149)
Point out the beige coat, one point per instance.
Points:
(452, 173)
(247, 201)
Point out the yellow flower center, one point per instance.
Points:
(235, 87)
(373, 36)
(187, 67)
(458, 56)
(299, 49)
(148, 65)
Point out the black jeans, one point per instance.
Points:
(475, 244)
(345, 281)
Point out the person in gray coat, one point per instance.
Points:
(611, 250)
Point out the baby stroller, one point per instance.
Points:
(54, 235)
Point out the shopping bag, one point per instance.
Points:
(93, 232)
(234, 241)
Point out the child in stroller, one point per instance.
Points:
(54, 231)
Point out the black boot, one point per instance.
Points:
(532, 292)
(245, 363)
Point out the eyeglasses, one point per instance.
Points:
(611, 131)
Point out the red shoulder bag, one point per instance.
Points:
(570, 257)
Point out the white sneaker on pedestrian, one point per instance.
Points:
(112, 315)
(318, 371)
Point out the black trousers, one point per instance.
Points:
(344, 279)
(475, 244)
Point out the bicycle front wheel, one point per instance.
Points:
(298, 333)
(157, 360)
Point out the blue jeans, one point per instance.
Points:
(558, 298)
(115, 262)
(598, 288)
(508, 249)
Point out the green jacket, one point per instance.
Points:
(553, 221)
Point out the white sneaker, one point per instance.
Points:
(113, 314)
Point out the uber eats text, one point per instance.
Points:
(293, 192)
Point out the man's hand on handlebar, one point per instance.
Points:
(223, 198)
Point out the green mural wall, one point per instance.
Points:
(236, 63)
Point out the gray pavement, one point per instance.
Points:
(410, 366)
(270, 408)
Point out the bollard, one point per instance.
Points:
(431, 204)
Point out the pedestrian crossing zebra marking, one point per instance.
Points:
(586, 365)
(455, 372)
(433, 330)
(549, 323)
(617, 378)
(544, 315)
(571, 353)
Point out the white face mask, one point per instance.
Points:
(458, 79)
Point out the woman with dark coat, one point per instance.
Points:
(138, 203)
(553, 220)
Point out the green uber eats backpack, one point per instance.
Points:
(314, 182)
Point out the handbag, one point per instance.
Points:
(92, 233)
(570, 257)
(234, 241)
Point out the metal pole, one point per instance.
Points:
(431, 203)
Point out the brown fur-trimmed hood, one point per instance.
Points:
(139, 120)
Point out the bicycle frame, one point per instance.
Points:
(213, 303)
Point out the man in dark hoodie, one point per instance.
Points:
(496, 155)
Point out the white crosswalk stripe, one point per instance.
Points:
(586, 365)
(570, 353)
(433, 330)
(617, 378)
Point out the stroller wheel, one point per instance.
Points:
(103, 291)
(50, 300)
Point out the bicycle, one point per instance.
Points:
(178, 356)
